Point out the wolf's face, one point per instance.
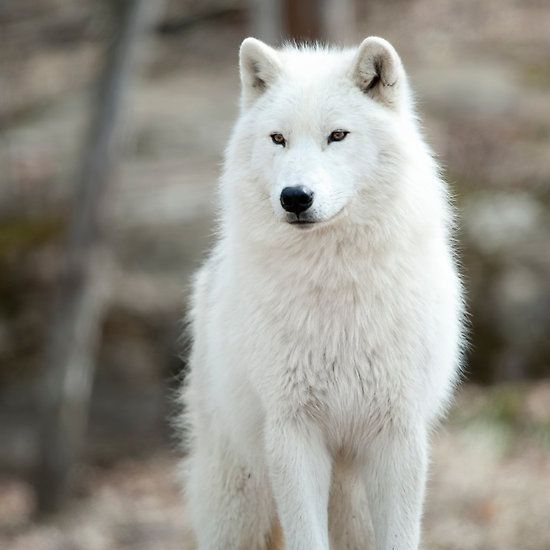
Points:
(317, 130)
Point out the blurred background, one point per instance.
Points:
(113, 119)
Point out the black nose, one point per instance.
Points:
(296, 199)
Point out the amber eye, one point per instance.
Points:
(337, 135)
(278, 139)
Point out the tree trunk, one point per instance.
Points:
(338, 21)
(69, 361)
(303, 20)
(266, 20)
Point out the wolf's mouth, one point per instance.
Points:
(305, 225)
(300, 219)
(305, 222)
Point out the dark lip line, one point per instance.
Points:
(318, 222)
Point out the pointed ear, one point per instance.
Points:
(379, 73)
(260, 66)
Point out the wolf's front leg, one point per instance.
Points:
(229, 503)
(395, 477)
(299, 468)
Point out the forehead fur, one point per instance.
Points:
(374, 69)
(313, 92)
(305, 62)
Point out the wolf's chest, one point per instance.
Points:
(352, 393)
(339, 347)
(331, 355)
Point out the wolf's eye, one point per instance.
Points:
(278, 139)
(337, 135)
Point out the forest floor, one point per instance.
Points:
(489, 488)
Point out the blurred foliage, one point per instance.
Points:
(516, 411)
(20, 235)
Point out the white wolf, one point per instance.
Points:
(327, 320)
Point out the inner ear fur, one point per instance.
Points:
(259, 67)
(378, 71)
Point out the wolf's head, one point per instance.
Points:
(322, 137)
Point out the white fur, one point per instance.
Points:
(324, 354)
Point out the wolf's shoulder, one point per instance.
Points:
(205, 281)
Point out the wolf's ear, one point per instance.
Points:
(260, 67)
(378, 71)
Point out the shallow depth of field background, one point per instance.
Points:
(481, 70)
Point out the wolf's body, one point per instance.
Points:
(323, 353)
